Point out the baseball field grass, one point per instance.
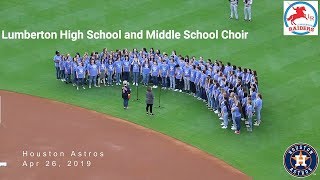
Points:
(288, 71)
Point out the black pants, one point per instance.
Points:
(147, 108)
(203, 93)
(244, 112)
(126, 76)
(179, 84)
(192, 87)
(80, 82)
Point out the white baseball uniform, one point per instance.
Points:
(234, 8)
(247, 9)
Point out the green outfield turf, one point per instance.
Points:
(288, 70)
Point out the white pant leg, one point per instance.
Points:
(188, 84)
(235, 8)
(245, 13)
(249, 12)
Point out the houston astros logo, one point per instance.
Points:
(300, 160)
(300, 17)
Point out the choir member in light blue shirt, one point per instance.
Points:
(236, 112)
(110, 71)
(249, 112)
(103, 71)
(192, 80)
(93, 71)
(178, 74)
(118, 70)
(186, 77)
(197, 83)
(155, 74)
(80, 74)
(135, 70)
(258, 107)
(126, 68)
(56, 60)
(74, 66)
(67, 69)
(172, 71)
(164, 72)
(61, 67)
(224, 114)
(145, 72)
(202, 85)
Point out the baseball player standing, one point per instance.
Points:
(247, 9)
(234, 9)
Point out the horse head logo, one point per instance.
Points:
(299, 14)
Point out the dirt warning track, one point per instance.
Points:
(75, 143)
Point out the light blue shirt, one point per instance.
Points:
(126, 66)
(155, 70)
(93, 70)
(135, 67)
(110, 67)
(80, 71)
(164, 70)
(118, 65)
(186, 71)
(56, 60)
(258, 103)
(249, 110)
(178, 73)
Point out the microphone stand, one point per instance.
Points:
(137, 93)
(160, 94)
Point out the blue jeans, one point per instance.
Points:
(62, 75)
(198, 92)
(94, 79)
(225, 119)
(234, 10)
(212, 103)
(58, 72)
(186, 83)
(209, 99)
(238, 119)
(80, 82)
(164, 81)
(110, 78)
(250, 121)
(258, 114)
(68, 76)
(172, 82)
(234, 120)
(247, 12)
(74, 77)
(155, 80)
(135, 77)
(118, 75)
(202, 93)
(145, 79)
(125, 103)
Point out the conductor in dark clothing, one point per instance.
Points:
(149, 100)
(125, 94)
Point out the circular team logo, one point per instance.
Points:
(300, 18)
(300, 160)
